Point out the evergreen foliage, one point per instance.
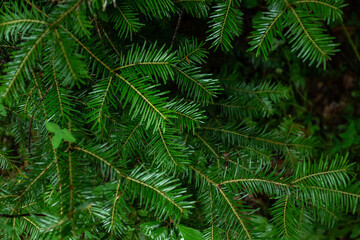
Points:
(126, 138)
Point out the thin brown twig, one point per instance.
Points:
(32, 118)
(177, 26)
(22, 215)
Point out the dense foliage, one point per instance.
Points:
(122, 124)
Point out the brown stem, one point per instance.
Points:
(350, 41)
(177, 26)
(22, 215)
(32, 118)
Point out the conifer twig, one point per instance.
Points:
(32, 118)
(177, 26)
(350, 40)
(22, 215)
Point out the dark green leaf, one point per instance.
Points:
(160, 234)
(190, 233)
(149, 227)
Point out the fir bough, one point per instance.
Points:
(119, 137)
